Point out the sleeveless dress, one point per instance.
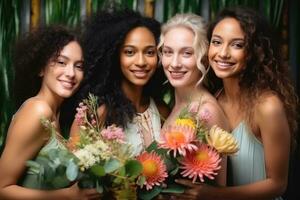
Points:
(146, 124)
(32, 178)
(248, 164)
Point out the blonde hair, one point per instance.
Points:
(196, 24)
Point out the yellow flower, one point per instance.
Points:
(185, 122)
(222, 141)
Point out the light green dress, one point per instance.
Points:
(248, 164)
(35, 179)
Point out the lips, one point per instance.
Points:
(140, 73)
(224, 64)
(67, 84)
(177, 74)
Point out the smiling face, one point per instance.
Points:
(63, 75)
(227, 53)
(179, 59)
(138, 57)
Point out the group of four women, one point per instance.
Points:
(122, 59)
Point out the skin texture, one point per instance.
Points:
(26, 136)
(179, 62)
(227, 56)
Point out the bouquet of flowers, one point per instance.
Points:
(105, 159)
(190, 150)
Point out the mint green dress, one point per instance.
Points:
(248, 164)
(34, 178)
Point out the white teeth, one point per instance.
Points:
(67, 84)
(140, 74)
(224, 64)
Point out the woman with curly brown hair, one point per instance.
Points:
(121, 61)
(259, 100)
(48, 69)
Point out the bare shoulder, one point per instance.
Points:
(163, 109)
(269, 105)
(216, 115)
(35, 108)
(27, 121)
(26, 133)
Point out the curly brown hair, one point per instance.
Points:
(266, 70)
(32, 53)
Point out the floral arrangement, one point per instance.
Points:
(99, 157)
(190, 150)
(105, 159)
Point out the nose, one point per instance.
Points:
(175, 62)
(224, 52)
(70, 71)
(141, 61)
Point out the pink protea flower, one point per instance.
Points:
(205, 116)
(113, 133)
(154, 169)
(203, 162)
(178, 138)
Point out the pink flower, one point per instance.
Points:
(205, 116)
(154, 169)
(201, 163)
(178, 138)
(113, 133)
(81, 114)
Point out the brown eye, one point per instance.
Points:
(151, 52)
(129, 52)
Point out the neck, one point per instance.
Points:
(231, 89)
(135, 95)
(183, 96)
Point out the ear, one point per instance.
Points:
(41, 74)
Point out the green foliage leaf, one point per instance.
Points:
(133, 168)
(34, 166)
(98, 170)
(152, 147)
(99, 187)
(72, 171)
(60, 182)
(111, 165)
(149, 194)
(174, 188)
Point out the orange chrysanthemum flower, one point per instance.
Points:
(178, 138)
(203, 162)
(154, 169)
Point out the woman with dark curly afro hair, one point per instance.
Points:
(48, 69)
(121, 59)
(259, 101)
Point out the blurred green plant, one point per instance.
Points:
(64, 12)
(9, 30)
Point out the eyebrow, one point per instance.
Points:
(187, 47)
(234, 39)
(133, 46)
(67, 58)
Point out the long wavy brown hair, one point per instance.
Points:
(266, 70)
